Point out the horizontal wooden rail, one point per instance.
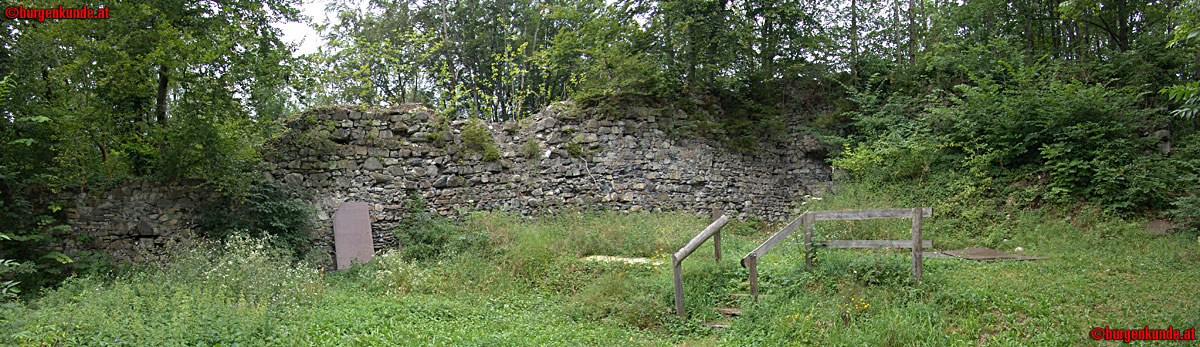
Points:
(871, 244)
(870, 214)
(713, 230)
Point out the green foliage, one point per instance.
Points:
(574, 149)
(893, 158)
(309, 135)
(31, 221)
(207, 294)
(190, 97)
(476, 138)
(269, 209)
(871, 269)
(440, 135)
(8, 289)
(468, 59)
(1016, 134)
(425, 236)
(531, 287)
(492, 153)
(83, 106)
(1188, 98)
(531, 149)
(1186, 162)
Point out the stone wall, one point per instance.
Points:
(558, 158)
(580, 161)
(135, 221)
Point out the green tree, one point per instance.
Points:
(167, 89)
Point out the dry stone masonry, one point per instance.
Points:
(552, 160)
(136, 220)
(559, 158)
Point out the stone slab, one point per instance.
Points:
(612, 259)
(987, 254)
(352, 234)
(1159, 227)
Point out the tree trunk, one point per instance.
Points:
(912, 30)
(854, 42)
(160, 111)
(897, 54)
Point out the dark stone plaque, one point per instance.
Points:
(352, 234)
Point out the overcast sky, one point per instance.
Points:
(301, 33)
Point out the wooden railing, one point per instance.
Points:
(750, 261)
(714, 231)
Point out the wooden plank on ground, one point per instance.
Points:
(730, 311)
(872, 243)
(870, 214)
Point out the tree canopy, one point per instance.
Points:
(1022, 103)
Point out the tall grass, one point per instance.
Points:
(523, 282)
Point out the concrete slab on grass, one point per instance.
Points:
(612, 259)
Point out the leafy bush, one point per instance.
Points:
(1016, 133)
(31, 221)
(424, 236)
(440, 134)
(574, 148)
(1186, 162)
(269, 209)
(476, 138)
(891, 158)
(8, 289)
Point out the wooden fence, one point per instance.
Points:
(750, 261)
(713, 230)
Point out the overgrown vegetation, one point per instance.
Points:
(531, 149)
(1017, 137)
(476, 138)
(524, 282)
(427, 236)
(269, 209)
(1058, 128)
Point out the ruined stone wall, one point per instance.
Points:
(558, 158)
(134, 221)
(581, 161)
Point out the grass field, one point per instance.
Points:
(523, 283)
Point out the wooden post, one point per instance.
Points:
(716, 214)
(713, 230)
(808, 247)
(678, 286)
(717, 245)
(752, 265)
(916, 247)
